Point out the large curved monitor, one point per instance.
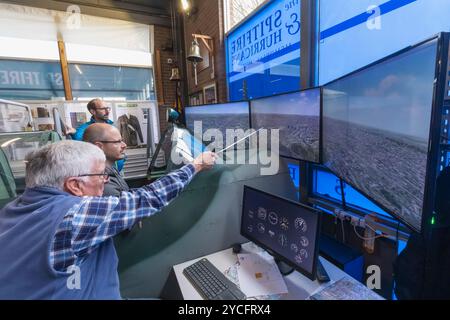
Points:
(297, 116)
(376, 127)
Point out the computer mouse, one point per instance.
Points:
(237, 248)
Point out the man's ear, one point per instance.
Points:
(99, 144)
(73, 186)
(91, 111)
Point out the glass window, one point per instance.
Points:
(401, 246)
(326, 184)
(351, 31)
(354, 198)
(120, 83)
(30, 80)
(237, 10)
(263, 53)
(294, 171)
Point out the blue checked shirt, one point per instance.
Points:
(96, 219)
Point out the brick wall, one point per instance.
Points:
(207, 20)
(163, 43)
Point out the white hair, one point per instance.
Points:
(52, 164)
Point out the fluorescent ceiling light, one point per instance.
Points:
(78, 69)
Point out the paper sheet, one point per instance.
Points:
(346, 288)
(259, 275)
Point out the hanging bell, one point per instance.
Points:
(175, 76)
(194, 52)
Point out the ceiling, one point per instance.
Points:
(158, 4)
(142, 11)
(146, 5)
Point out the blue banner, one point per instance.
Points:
(263, 53)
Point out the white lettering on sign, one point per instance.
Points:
(56, 78)
(28, 78)
(270, 31)
(4, 77)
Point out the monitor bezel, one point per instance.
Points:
(319, 88)
(439, 94)
(426, 206)
(275, 254)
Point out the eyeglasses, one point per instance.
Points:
(116, 141)
(104, 109)
(105, 175)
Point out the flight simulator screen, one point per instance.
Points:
(233, 116)
(297, 115)
(376, 125)
(286, 229)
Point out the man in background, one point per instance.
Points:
(100, 114)
(109, 139)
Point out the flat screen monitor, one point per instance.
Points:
(287, 230)
(376, 128)
(297, 116)
(233, 117)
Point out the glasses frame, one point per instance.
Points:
(104, 109)
(105, 175)
(117, 141)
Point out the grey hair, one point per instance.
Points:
(50, 165)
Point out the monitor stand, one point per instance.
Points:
(321, 273)
(284, 268)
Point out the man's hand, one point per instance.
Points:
(205, 161)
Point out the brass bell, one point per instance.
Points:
(194, 53)
(175, 76)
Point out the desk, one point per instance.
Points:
(299, 287)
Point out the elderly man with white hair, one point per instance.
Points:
(56, 238)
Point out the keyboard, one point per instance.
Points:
(211, 283)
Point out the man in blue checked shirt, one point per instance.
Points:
(56, 238)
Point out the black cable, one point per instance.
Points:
(344, 202)
(344, 207)
(396, 234)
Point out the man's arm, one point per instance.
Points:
(96, 219)
(78, 135)
(100, 218)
